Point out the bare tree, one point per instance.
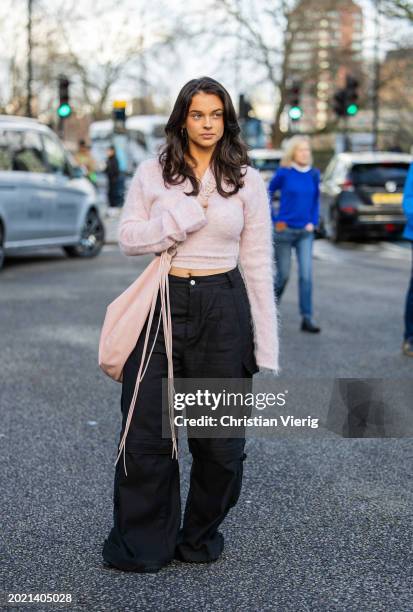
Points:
(401, 9)
(396, 77)
(264, 39)
(13, 90)
(100, 53)
(118, 49)
(267, 35)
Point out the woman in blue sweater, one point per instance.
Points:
(298, 183)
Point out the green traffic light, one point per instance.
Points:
(64, 111)
(295, 113)
(352, 109)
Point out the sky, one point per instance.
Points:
(169, 73)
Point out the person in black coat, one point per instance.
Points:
(112, 171)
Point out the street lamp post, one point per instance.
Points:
(376, 82)
(29, 57)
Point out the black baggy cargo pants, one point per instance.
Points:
(212, 337)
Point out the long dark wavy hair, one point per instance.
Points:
(230, 152)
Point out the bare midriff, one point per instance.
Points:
(186, 272)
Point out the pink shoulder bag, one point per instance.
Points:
(124, 320)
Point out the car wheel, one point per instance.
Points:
(92, 238)
(336, 231)
(1, 247)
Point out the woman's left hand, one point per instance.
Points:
(309, 227)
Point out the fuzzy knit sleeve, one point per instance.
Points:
(258, 266)
(138, 233)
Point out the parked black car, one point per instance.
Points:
(361, 195)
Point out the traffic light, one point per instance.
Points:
(345, 102)
(244, 106)
(119, 115)
(340, 103)
(119, 110)
(64, 110)
(352, 86)
(295, 111)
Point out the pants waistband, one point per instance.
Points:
(232, 276)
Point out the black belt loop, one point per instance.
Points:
(230, 276)
(231, 282)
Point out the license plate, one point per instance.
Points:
(387, 198)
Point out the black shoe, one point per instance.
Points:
(309, 326)
(184, 552)
(408, 347)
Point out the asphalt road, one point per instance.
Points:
(322, 524)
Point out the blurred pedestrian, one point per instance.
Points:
(85, 159)
(122, 158)
(408, 234)
(112, 172)
(294, 223)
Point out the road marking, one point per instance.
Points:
(347, 251)
(325, 251)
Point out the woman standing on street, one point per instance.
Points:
(203, 193)
(294, 224)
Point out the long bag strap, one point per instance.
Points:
(162, 285)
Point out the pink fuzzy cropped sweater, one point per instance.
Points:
(228, 232)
